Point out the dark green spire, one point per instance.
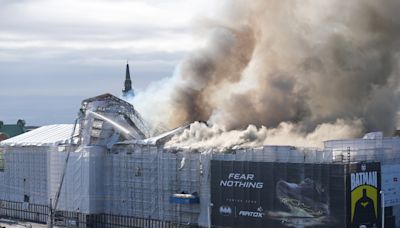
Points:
(128, 82)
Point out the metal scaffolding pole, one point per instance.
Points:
(51, 214)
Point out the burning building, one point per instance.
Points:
(106, 170)
(289, 74)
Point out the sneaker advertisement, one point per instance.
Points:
(267, 194)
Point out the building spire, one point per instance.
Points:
(128, 81)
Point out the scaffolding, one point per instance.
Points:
(135, 182)
(24, 177)
(141, 179)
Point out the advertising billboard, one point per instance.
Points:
(391, 184)
(263, 194)
(364, 191)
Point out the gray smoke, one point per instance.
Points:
(200, 136)
(302, 62)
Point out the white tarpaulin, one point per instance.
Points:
(48, 135)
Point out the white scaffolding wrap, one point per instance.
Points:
(24, 178)
(141, 179)
(50, 135)
(83, 189)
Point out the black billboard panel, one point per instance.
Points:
(262, 194)
(364, 205)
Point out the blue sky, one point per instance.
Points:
(53, 54)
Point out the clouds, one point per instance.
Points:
(71, 25)
(78, 48)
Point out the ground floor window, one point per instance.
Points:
(26, 198)
(1, 159)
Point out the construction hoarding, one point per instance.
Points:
(364, 195)
(265, 194)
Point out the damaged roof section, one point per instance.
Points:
(106, 120)
(159, 139)
(108, 107)
(103, 120)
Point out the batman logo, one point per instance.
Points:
(225, 210)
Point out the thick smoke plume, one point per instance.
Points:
(285, 68)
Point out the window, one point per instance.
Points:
(138, 172)
(1, 160)
(26, 198)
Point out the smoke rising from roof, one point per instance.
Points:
(303, 64)
(200, 136)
